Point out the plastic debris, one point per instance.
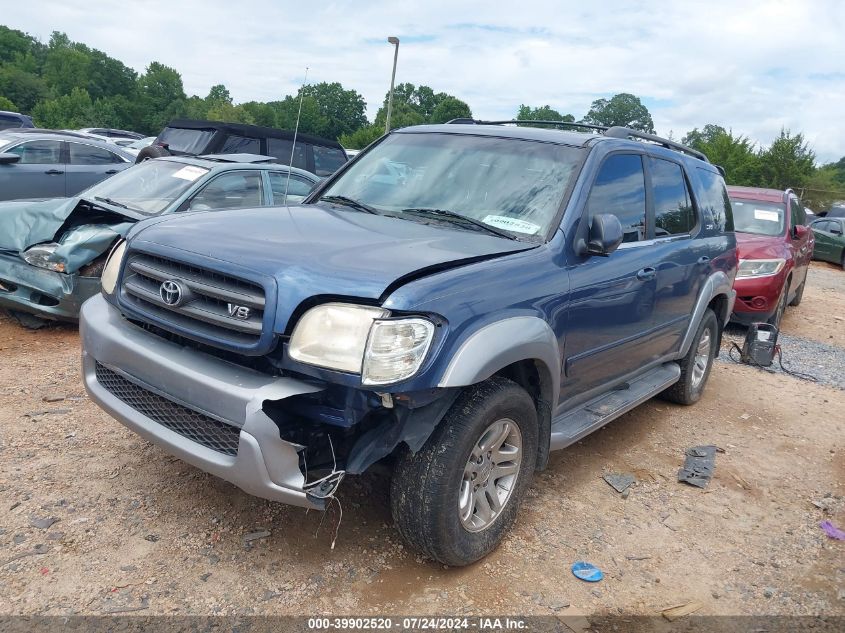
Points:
(620, 481)
(587, 571)
(832, 531)
(699, 466)
(680, 610)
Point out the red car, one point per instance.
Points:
(774, 248)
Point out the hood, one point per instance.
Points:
(83, 230)
(752, 246)
(314, 249)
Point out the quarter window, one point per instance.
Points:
(673, 212)
(38, 152)
(620, 189)
(81, 154)
(297, 190)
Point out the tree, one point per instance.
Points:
(448, 109)
(7, 105)
(736, 154)
(65, 67)
(543, 113)
(623, 109)
(341, 111)
(161, 97)
(72, 110)
(788, 162)
(362, 137)
(24, 88)
(822, 189)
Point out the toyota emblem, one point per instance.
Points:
(170, 292)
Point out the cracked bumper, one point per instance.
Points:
(43, 292)
(265, 465)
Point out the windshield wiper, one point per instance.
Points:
(116, 203)
(457, 218)
(349, 202)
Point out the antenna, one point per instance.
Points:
(295, 132)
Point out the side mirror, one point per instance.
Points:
(8, 158)
(799, 231)
(605, 235)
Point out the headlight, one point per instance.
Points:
(759, 267)
(360, 340)
(112, 268)
(41, 256)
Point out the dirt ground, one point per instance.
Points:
(95, 520)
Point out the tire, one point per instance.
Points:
(150, 152)
(799, 294)
(695, 369)
(776, 318)
(428, 486)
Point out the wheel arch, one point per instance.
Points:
(717, 293)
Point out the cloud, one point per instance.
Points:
(752, 66)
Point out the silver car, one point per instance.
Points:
(48, 164)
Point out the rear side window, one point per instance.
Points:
(714, 199)
(186, 141)
(620, 189)
(39, 152)
(673, 212)
(81, 154)
(241, 145)
(328, 160)
(7, 122)
(280, 150)
(298, 187)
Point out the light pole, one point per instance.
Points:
(395, 42)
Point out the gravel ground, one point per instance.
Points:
(94, 520)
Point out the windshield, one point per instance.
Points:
(185, 141)
(147, 188)
(759, 218)
(511, 185)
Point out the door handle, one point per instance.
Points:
(112, 171)
(703, 260)
(646, 273)
(54, 172)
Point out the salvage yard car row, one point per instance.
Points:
(455, 303)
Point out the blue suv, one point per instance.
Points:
(456, 302)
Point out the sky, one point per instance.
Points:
(753, 67)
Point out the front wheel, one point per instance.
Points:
(696, 365)
(457, 497)
(776, 318)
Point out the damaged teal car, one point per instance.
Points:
(52, 252)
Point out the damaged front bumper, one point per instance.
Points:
(43, 292)
(206, 411)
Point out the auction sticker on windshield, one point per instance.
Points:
(511, 224)
(770, 216)
(190, 173)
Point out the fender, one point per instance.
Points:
(717, 284)
(503, 343)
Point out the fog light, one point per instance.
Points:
(759, 302)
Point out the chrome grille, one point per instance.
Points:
(195, 426)
(207, 304)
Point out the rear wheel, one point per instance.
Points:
(457, 497)
(696, 365)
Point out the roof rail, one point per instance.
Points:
(618, 131)
(590, 126)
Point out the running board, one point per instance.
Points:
(573, 425)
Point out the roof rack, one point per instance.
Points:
(590, 126)
(616, 131)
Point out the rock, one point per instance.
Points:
(152, 538)
(626, 493)
(128, 568)
(619, 481)
(768, 592)
(205, 577)
(17, 539)
(55, 536)
(42, 524)
(715, 595)
(557, 604)
(596, 593)
(254, 536)
(53, 397)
